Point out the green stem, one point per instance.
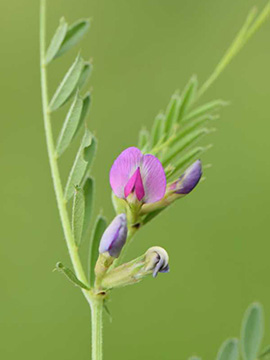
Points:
(250, 26)
(229, 55)
(97, 310)
(72, 248)
(96, 305)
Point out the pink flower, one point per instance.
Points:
(138, 174)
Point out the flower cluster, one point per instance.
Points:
(139, 182)
(141, 178)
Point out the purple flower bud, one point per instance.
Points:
(158, 260)
(187, 182)
(114, 237)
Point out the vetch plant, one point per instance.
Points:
(145, 180)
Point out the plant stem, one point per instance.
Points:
(250, 26)
(72, 248)
(95, 304)
(229, 55)
(97, 310)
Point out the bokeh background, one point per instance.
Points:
(217, 238)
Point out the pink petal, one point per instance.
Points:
(144, 174)
(123, 168)
(154, 179)
(135, 184)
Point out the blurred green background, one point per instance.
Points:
(217, 238)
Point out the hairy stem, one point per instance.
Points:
(97, 310)
(96, 305)
(72, 248)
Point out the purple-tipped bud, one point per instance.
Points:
(157, 260)
(187, 182)
(114, 237)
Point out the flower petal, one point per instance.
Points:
(123, 168)
(154, 179)
(135, 184)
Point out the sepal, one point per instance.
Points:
(120, 205)
(103, 263)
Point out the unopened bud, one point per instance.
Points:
(155, 260)
(179, 188)
(111, 244)
(187, 182)
(114, 237)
